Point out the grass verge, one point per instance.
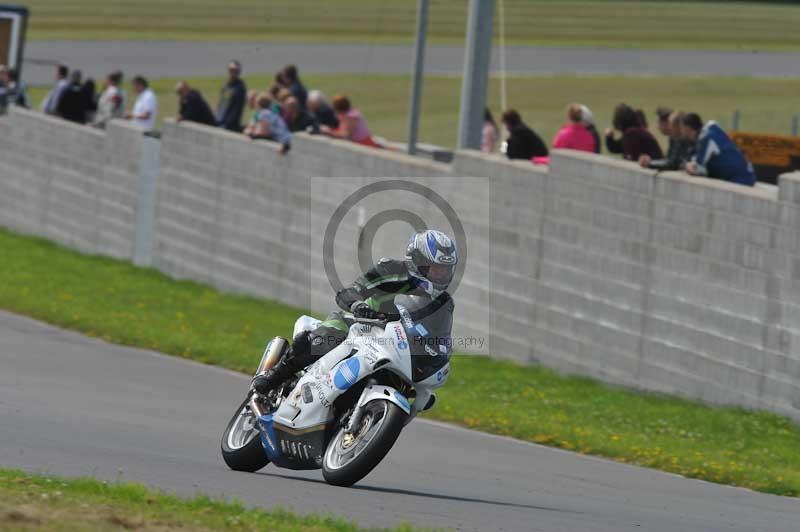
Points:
(120, 303)
(598, 23)
(32, 502)
(766, 105)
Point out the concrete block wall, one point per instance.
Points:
(69, 183)
(591, 266)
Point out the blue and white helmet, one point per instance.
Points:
(431, 258)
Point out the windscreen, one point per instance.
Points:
(428, 328)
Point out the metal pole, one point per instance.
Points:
(735, 125)
(476, 73)
(794, 125)
(419, 67)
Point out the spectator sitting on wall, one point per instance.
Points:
(523, 142)
(352, 124)
(251, 104)
(489, 132)
(192, 107)
(680, 150)
(145, 108)
(112, 101)
(574, 135)
(74, 104)
(90, 94)
(270, 125)
(716, 155)
(291, 80)
(50, 103)
(231, 99)
(321, 111)
(636, 139)
(587, 119)
(296, 118)
(12, 92)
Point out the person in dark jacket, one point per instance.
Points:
(291, 80)
(321, 110)
(716, 155)
(296, 118)
(74, 104)
(523, 142)
(636, 140)
(90, 94)
(232, 99)
(680, 149)
(192, 107)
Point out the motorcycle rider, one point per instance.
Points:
(428, 268)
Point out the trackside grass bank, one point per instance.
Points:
(32, 503)
(120, 303)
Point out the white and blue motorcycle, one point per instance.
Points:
(345, 411)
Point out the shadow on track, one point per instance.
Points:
(415, 493)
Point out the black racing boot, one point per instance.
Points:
(297, 357)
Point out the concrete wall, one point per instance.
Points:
(69, 183)
(595, 266)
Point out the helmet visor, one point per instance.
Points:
(440, 274)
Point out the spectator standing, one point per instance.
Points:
(296, 118)
(636, 140)
(112, 101)
(352, 124)
(291, 80)
(50, 103)
(12, 91)
(232, 99)
(270, 125)
(574, 135)
(192, 107)
(90, 94)
(680, 150)
(523, 142)
(321, 111)
(145, 108)
(587, 118)
(74, 105)
(489, 132)
(716, 155)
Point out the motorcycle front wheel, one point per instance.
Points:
(351, 457)
(241, 444)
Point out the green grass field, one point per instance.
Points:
(37, 503)
(120, 303)
(599, 23)
(766, 104)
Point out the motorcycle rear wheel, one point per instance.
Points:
(241, 444)
(350, 457)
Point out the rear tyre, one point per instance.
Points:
(241, 443)
(351, 457)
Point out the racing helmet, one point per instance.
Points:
(431, 259)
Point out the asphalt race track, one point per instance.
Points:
(71, 405)
(158, 59)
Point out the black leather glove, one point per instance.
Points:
(364, 311)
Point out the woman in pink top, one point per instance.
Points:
(352, 124)
(574, 135)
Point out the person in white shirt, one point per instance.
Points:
(145, 109)
(50, 103)
(112, 102)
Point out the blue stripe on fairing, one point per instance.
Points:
(268, 439)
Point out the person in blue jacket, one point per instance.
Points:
(716, 155)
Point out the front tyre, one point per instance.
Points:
(351, 457)
(241, 444)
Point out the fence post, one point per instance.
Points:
(794, 125)
(735, 121)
